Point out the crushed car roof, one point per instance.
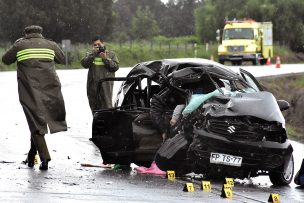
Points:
(167, 66)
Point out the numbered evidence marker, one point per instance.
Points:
(206, 186)
(171, 175)
(229, 181)
(226, 191)
(188, 187)
(275, 198)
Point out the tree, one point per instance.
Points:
(178, 20)
(288, 23)
(144, 25)
(77, 20)
(205, 22)
(124, 11)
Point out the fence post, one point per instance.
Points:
(169, 48)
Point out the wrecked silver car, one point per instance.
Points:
(229, 125)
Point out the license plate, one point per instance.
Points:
(225, 159)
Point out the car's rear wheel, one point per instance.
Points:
(283, 177)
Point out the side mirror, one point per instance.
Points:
(284, 105)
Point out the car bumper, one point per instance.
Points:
(237, 57)
(261, 155)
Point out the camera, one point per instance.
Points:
(101, 49)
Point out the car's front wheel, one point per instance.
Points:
(283, 177)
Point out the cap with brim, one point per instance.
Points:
(33, 29)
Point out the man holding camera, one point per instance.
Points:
(102, 63)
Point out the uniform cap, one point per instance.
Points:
(33, 29)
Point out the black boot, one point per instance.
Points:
(30, 160)
(30, 163)
(44, 165)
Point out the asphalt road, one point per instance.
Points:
(67, 181)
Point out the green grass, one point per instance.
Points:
(299, 82)
(291, 132)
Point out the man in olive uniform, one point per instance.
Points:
(101, 63)
(39, 89)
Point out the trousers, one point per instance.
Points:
(38, 143)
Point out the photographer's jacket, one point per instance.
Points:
(38, 84)
(98, 69)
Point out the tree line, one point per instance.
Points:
(122, 20)
(77, 20)
(287, 18)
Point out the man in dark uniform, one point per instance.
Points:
(101, 63)
(39, 89)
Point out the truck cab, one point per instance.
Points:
(246, 40)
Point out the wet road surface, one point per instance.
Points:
(68, 181)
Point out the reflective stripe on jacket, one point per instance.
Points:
(98, 61)
(35, 53)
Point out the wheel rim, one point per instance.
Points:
(289, 170)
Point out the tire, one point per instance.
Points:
(177, 162)
(281, 178)
(255, 62)
(263, 61)
(222, 61)
(237, 63)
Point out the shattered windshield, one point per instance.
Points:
(238, 33)
(238, 86)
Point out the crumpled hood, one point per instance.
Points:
(262, 105)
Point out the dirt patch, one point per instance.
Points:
(291, 89)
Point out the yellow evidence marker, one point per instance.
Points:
(171, 175)
(188, 187)
(36, 160)
(226, 191)
(206, 186)
(229, 181)
(275, 198)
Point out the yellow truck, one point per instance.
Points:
(246, 40)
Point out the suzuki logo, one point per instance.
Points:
(231, 129)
